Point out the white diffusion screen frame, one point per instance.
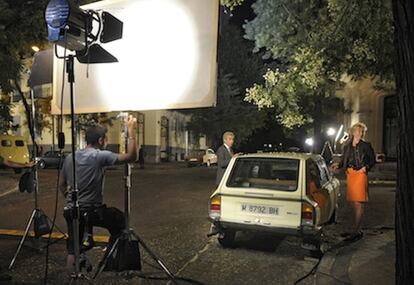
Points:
(167, 59)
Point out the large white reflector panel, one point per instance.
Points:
(167, 59)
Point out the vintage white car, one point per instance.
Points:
(210, 157)
(281, 193)
(202, 157)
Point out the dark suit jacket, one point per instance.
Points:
(223, 159)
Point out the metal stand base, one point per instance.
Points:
(75, 278)
(128, 235)
(33, 216)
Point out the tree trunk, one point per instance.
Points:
(404, 207)
(28, 112)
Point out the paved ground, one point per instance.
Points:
(169, 209)
(9, 182)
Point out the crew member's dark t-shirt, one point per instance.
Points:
(90, 170)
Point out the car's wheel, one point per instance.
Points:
(226, 238)
(42, 164)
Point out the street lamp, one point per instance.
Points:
(331, 132)
(310, 142)
(35, 48)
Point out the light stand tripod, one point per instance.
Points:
(70, 69)
(37, 216)
(327, 146)
(129, 233)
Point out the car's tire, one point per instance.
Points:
(42, 164)
(226, 238)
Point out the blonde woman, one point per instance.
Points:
(357, 158)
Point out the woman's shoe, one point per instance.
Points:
(354, 237)
(346, 234)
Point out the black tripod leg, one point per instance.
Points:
(59, 239)
(26, 233)
(105, 259)
(59, 229)
(156, 259)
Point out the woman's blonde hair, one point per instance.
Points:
(361, 126)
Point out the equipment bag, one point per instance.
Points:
(41, 224)
(125, 257)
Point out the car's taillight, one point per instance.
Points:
(215, 207)
(307, 214)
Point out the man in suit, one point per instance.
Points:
(224, 155)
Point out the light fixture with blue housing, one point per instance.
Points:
(72, 27)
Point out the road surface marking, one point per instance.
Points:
(55, 235)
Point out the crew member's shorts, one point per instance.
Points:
(111, 219)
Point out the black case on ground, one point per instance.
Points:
(125, 257)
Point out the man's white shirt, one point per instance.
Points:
(228, 149)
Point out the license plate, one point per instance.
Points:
(258, 209)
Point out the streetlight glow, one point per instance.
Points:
(35, 48)
(331, 132)
(309, 141)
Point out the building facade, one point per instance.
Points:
(363, 102)
(163, 135)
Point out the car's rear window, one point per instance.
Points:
(19, 143)
(265, 173)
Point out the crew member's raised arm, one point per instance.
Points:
(131, 154)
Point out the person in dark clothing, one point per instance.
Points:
(224, 155)
(357, 159)
(90, 169)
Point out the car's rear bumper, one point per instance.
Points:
(298, 231)
(194, 161)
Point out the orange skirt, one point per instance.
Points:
(357, 182)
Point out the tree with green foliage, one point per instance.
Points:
(22, 26)
(6, 119)
(318, 42)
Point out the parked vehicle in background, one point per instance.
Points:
(210, 157)
(51, 159)
(14, 148)
(279, 193)
(201, 157)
